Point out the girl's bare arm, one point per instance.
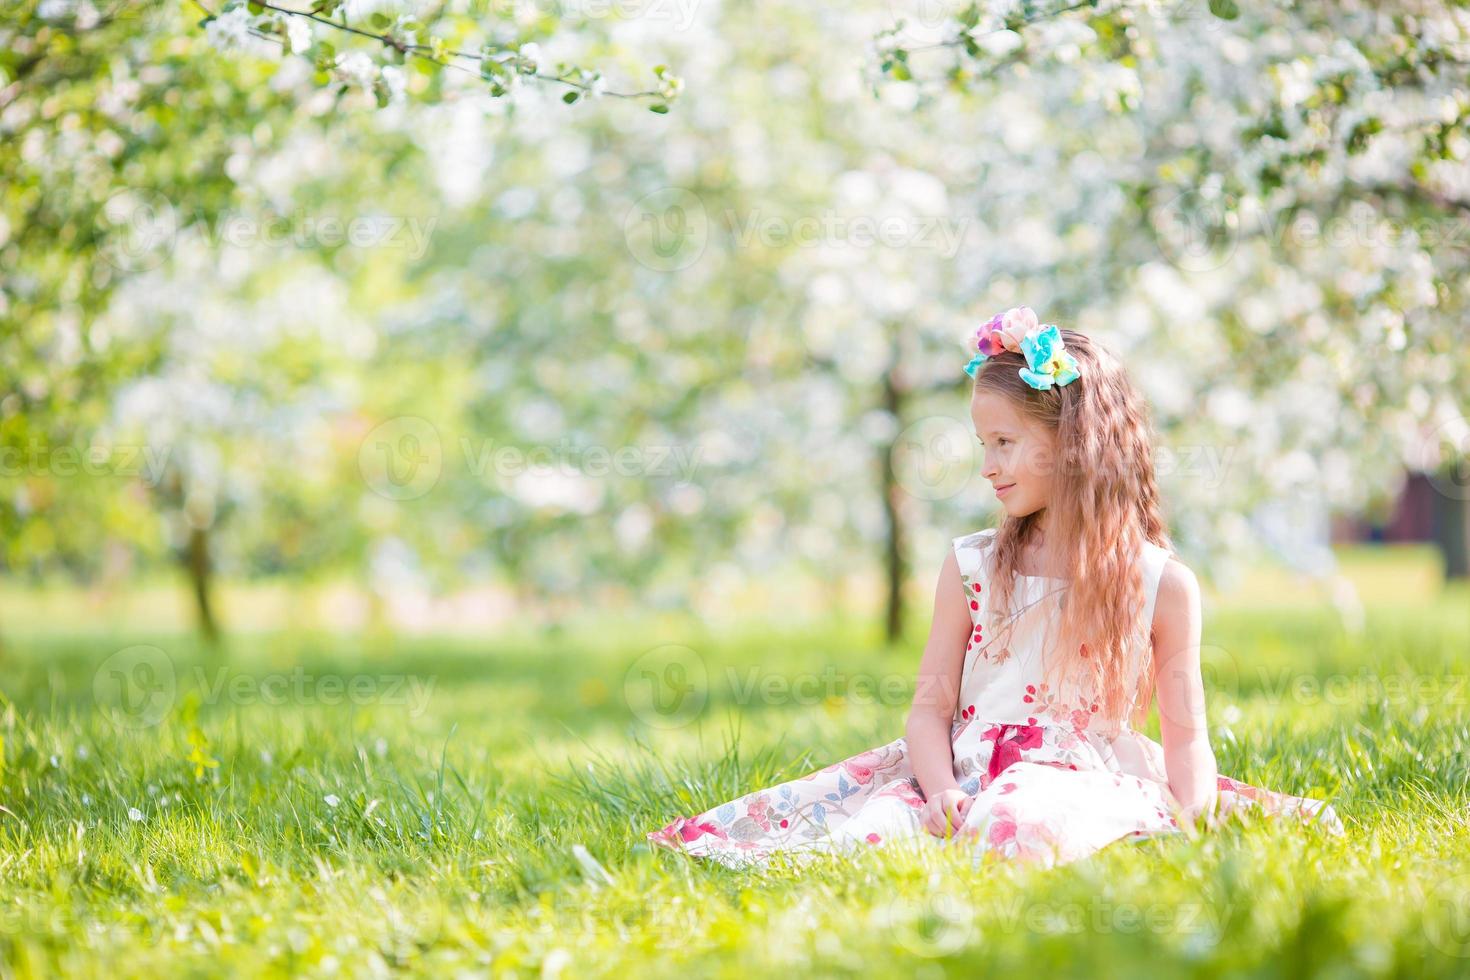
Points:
(1188, 758)
(938, 685)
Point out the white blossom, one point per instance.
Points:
(230, 30)
(359, 69)
(394, 78)
(298, 34)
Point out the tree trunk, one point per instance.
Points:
(198, 565)
(1451, 523)
(896, 545)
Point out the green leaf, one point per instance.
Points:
(659, 108)
(380, 21)
(1225, 9)
(570, 97)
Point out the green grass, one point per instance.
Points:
(450, 847)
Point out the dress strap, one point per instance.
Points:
(969, 553)
(1155, 557)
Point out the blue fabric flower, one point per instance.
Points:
(1048, 363)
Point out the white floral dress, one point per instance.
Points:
(1049, 784)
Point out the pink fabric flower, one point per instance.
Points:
(1004, 331)
(1007, 750)
(1002, 826)
(862, 766)
(1037, 840)
(687, 829)
(1015, 322)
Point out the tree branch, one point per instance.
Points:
(418, 50)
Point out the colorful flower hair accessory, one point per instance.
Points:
(1048, 363)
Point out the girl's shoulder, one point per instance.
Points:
(970, 547)
(1176, 580)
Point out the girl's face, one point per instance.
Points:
(1019, 454)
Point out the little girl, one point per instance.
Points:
(1051, 635)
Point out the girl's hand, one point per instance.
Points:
(1199, 819)
(944, 813)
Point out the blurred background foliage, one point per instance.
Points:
(351, 297)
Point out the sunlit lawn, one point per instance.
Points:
(417, 805)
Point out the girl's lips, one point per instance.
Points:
(1001, 491)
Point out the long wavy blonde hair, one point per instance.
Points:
(1104, 505)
